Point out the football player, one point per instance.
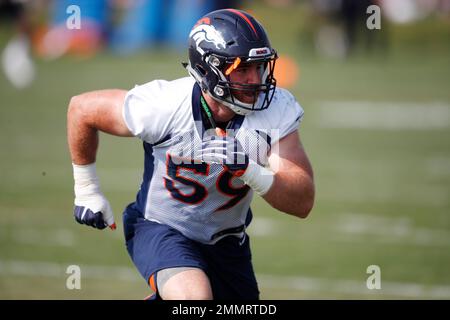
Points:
(211, 140)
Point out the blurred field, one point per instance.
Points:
(383, 178)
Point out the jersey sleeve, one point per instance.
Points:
(147, 112)
(291, 115)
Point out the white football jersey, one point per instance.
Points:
(202, 201)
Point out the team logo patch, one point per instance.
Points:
(208, 33)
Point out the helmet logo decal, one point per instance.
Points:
(208, 33)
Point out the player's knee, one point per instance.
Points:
(183, 292)
(195, 293)
(192, 284)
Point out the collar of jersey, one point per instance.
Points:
(234, 123)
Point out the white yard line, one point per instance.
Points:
(30, 236)
(438, 167)
(413, 194)
(383, 115)
(316, 285)
(305, 284)
(51, 269)
(391, 230)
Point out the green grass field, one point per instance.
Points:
(383, 181)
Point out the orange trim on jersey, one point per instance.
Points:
(238, 173)
(243, 16)
(151, 282)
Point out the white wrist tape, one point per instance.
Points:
(258, 178)
(86, 180)
(88, 194)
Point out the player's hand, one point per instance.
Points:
(94, 210)
(225, 150)
(91, 206)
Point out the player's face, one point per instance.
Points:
(250, 73)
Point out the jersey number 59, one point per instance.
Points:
(200, 193)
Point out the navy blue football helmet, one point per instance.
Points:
(221, 41)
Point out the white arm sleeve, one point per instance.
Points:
(147, 111)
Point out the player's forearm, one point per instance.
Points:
(82, 137)
(292, 193)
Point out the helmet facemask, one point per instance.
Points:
(258, 95)
(227, 92)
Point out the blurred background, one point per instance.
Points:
(376, 128)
